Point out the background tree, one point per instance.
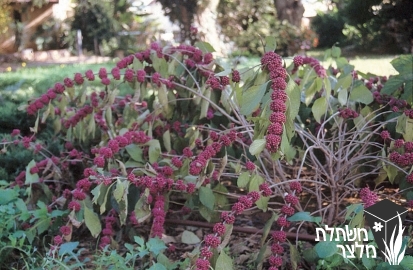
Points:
(291, 11)
(95, 21)
(381, 26)
(5, 18)
(107, 23)
(329, 27)
(244, 22)
(386, 25)
(203, 14)
(239, 20)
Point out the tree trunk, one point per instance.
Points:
(290, 10)
(208, 26)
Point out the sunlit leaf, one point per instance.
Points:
(251, 98)
(257, 146)
(361, 94)
(205, 47)
(319, 108)
(224, 262)
(92, 222)
(243, 179)
(207, 198)
(270, 44)
(189, 238)
(31, 178)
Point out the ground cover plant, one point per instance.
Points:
(171, 133)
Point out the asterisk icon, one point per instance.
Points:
(377, 226)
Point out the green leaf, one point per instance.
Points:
(319, 108)
(286, 148)
(314, 88)
(119, 190)
(226, 99)
(294, 99)
(342, 96)
(344, 82)
(205, 47)
(326, 249)
(408, 135)
(67, 248)
(243, 179)
(207, 198)
(327, 54)
(139, 241)
(392, 85)
(154, 150)
(108, 114)
(391, 172)
(163, 100)
(160, 65)
(357, 221)
(361, 94)
(7, 195)
(251, 98)
(403, 64)
(224, 262)
(206, 213)
(205, 104)
(164, 261)
(167, 140)
(310, 255)
(407, 262)
(31, 178)
(327, 87)
(255, 182)
(304, 216)
(369, 263)
(401, 124)
(135, 152)
(155, 246)
(295, 256)
(190, 238)
(270, 44)
(267, 228)
(92, 222)
(335, 52)
(42, 225)
(221, 200)
(224, 72)
(353, 208)
(157, 266)
(342, 62)
(257, 146)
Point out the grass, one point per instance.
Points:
(375, 64)
(33, 81)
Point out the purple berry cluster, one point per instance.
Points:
(401, 153)
(272, 62)
(368, 197)
(306, 60)
(279, 237)
(375, 83)
(214, 240)
(347, 113)
(199, 163)
(395, 104)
